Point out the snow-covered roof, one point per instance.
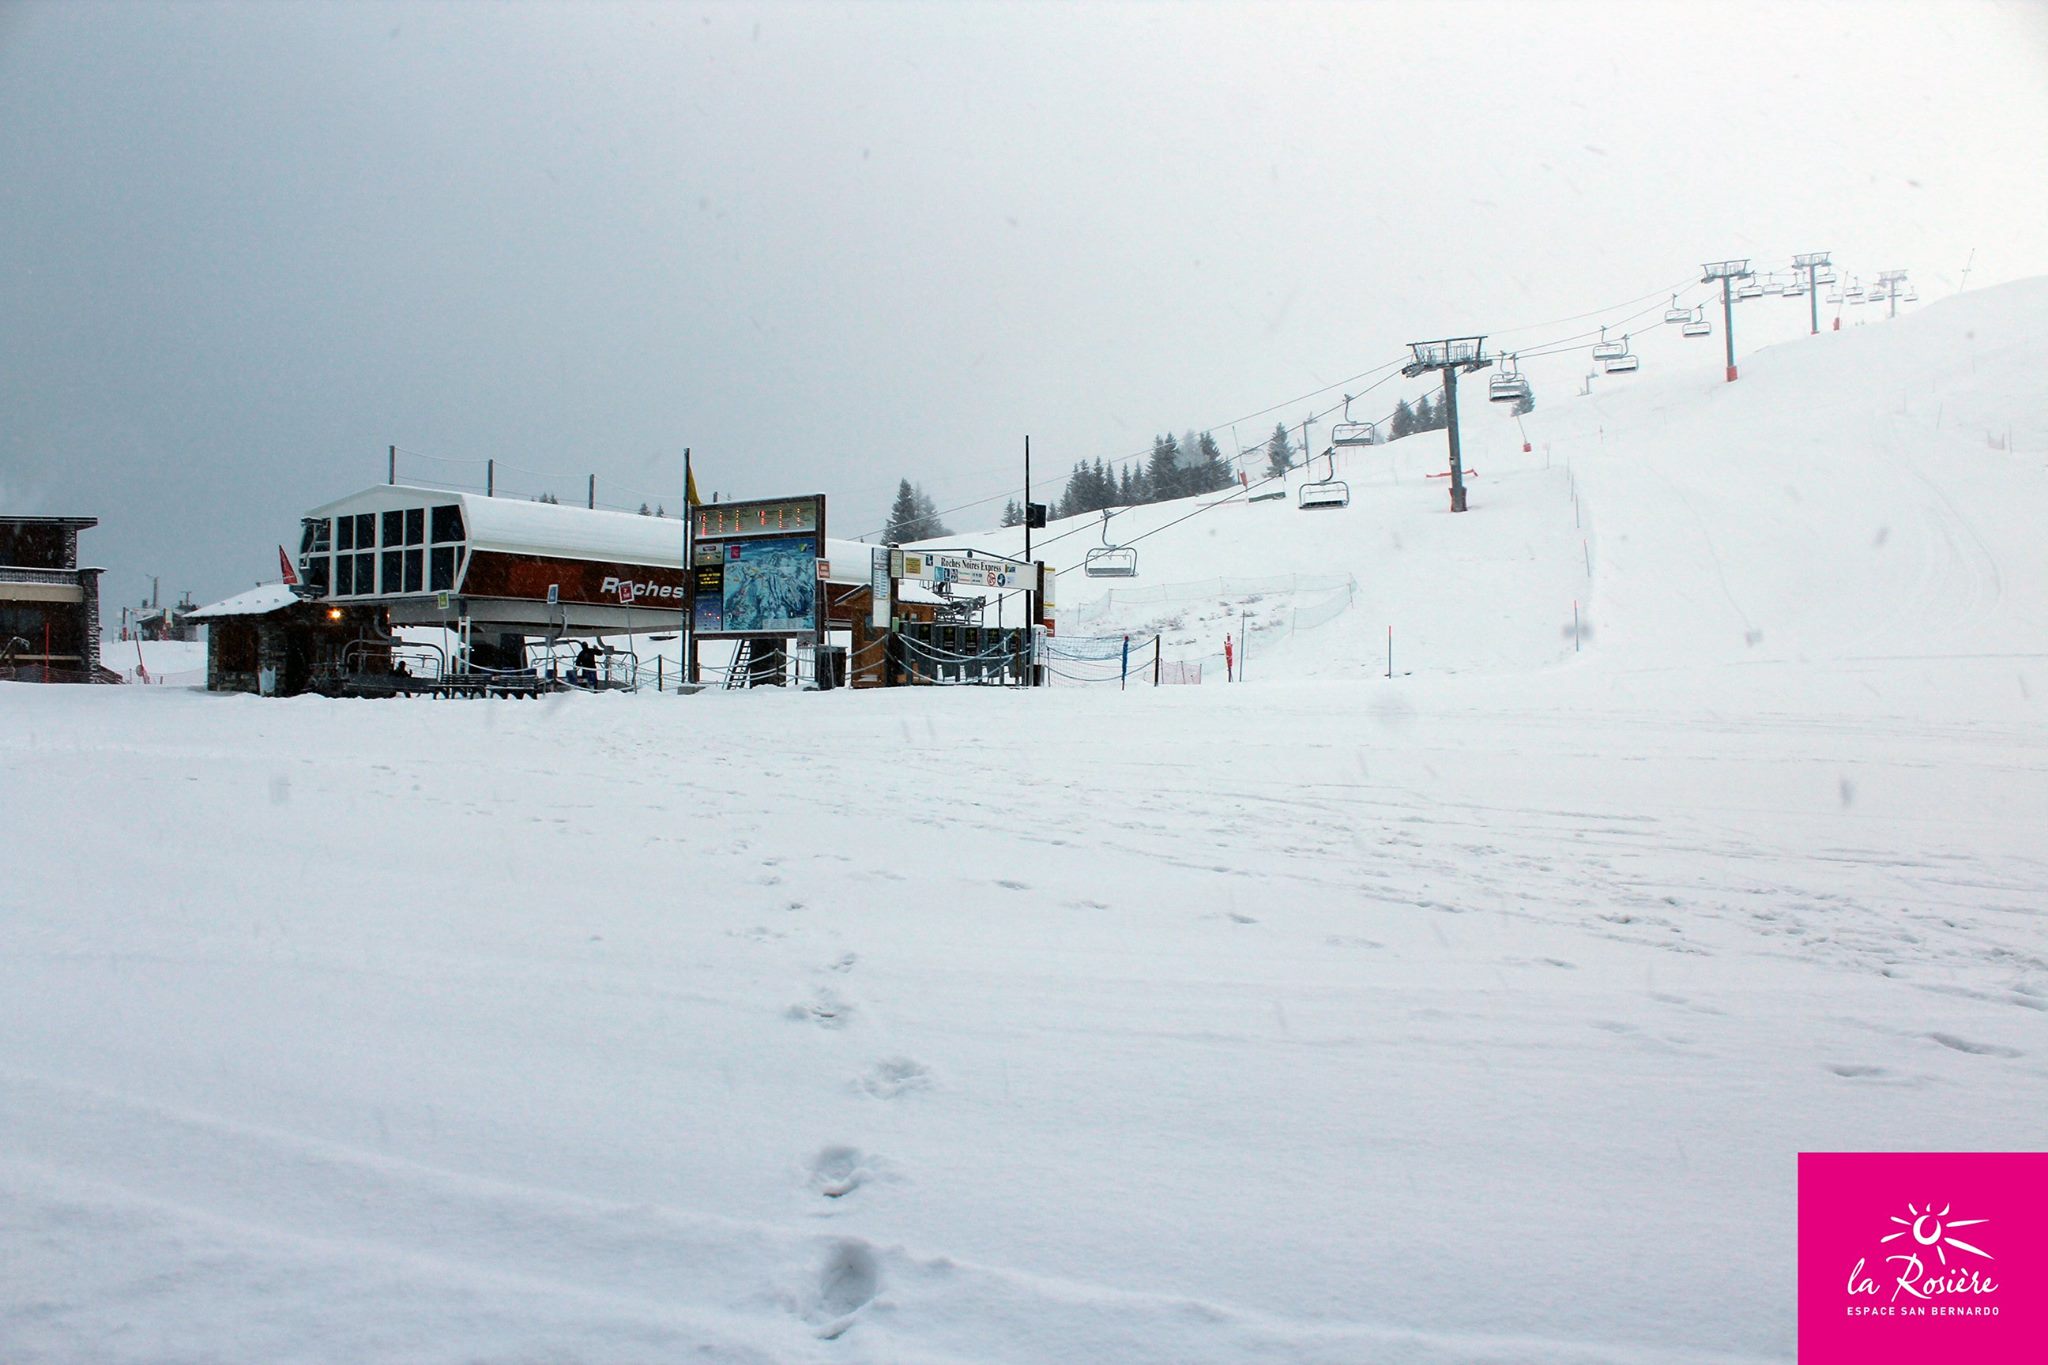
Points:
(255, 602)
(517, 526)
(551, 530)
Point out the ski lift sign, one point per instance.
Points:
(967, 571)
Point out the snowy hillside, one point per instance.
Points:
(1472, 1014)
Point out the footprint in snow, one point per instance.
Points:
(847, 1283)
(824, 1008)
(892, 1076)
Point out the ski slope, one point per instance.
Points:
(1472, 1014)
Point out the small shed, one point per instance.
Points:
(275, 642)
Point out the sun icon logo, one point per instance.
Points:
(1929, 1231)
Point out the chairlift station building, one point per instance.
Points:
(503, 570)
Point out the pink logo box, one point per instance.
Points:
(1914, 1258)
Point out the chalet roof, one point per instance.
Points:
(255, 602)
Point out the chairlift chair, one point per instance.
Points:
(1750, 291)
(1609, 350)
(1622, 364)
(1110, 560)
(1354, 434)
(1676, 314)
(1330, 492)
(1910, 296)
(1795, 291)
(1773, 285)
(1698, 327)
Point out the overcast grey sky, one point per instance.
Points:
(246, 247)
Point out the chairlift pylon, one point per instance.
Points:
(1330, 492)
(1110, 560)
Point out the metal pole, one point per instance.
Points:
(1155, 661)
(592, 503)
(490, 478)
(1451, 424)
(689, 575)
(1027, 499)
(1728, 324)
(1813, 300)
(391, 474)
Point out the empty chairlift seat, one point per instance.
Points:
(1327, 492)
(1111, 561)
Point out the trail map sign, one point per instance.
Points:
(755, 567)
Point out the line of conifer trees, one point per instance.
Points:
(1178, 467)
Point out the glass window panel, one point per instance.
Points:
(344, 575)
(366, 572)
(316, 573)
(366, 530)
(415, 566)
(394, 571)
(394, 528)
(444, 569)
(448, 522)
(415, 525)
(345, 534)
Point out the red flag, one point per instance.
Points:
(291, 580)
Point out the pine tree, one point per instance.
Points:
(929, 527)
(901, 528)
(659, 510)
(550, 499)
(645, 511)
(1163, 469)
(1013, 515)
(1074, 498)
(1279, 452)
(1212, 475)
(1404, 420)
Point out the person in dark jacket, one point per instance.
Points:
(586, 665)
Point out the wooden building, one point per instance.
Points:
(276, 642)
(49, 606)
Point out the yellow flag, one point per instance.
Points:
(690, 486)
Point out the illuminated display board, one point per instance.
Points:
(754, 569)
(770, 517)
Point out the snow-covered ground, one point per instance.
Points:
(1475, 1014)
(164, 663)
